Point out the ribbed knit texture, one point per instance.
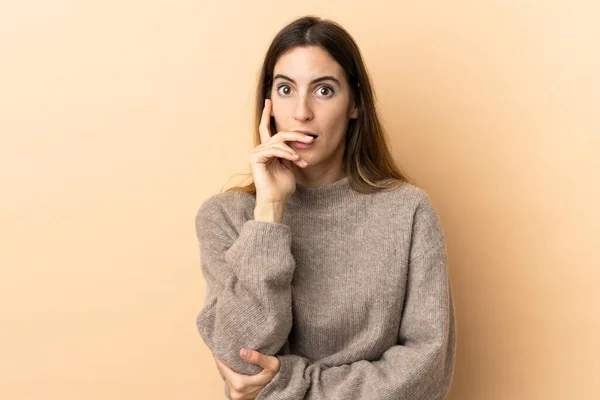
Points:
(351, 292)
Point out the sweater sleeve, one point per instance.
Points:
(419, 367)
(248, 295)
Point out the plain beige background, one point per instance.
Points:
(118, 118)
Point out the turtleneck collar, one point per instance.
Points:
(331, 194)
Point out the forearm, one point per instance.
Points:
(237, 319)
(401, 373)
(248, 281)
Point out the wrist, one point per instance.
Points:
(269, 212)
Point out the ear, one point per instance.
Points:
(353, 112)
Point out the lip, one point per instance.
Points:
(302, 145)
(305, 132)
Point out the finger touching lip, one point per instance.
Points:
(307, 132)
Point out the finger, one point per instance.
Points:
(266, 154)
(236, 381)
(296, 157)
(284, 146)
(266, 362)
(227, 373)
(288, 136)
(265, 122)
(220, 369)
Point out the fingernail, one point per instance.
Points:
(244, 352)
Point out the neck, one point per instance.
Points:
(331, 194)
(310, 178)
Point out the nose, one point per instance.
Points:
(303, 111)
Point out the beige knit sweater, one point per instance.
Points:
(351, 292)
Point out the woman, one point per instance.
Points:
(330, 268)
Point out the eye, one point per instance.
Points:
(328, 90)
(282, 86)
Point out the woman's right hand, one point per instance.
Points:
(270, 161)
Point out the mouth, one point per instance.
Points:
(309, 133)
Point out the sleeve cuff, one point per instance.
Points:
(289, 382)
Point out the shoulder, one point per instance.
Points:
(407, 197)
(416, 211)
(421, 202)
(427, 230)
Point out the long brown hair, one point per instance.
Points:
(367, 160)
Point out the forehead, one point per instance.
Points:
(306, 62)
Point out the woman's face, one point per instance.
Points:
(310, 93)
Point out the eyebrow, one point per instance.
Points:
(321, 79)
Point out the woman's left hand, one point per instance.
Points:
(247, 387)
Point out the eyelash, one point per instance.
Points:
(321, 87)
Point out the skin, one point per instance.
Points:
(324, 108)
(271, 161)
(245, 387)
(297, 103)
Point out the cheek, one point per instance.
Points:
(275, 107)
(280, 110)
(335, 121)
